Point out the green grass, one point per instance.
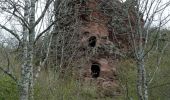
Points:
(8, 88)
(49, 87)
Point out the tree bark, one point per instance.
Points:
(27, 91)
(31, 48)
(25, 74)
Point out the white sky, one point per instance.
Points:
(14, 24)
(160, 15)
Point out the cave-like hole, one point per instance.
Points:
(84, 17)
(95, 70)
(92, 41)
(110, 35)
(83, 2)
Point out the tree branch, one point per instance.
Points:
(43, 13)
(11, 32)
(36, 39)
(20, 18)
(156, 86)
(9, 74)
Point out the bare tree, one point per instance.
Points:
(147, 10)
(28, 40)
(132, 22)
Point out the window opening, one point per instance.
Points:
(95, 70)
(92, 41)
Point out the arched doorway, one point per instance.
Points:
(92, 41)
(95, 70)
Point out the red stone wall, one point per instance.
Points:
(97, 25)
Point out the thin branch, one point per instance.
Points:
(11, 32)
(20, 18)
(13, 4)
(42, 64)
(156, 86)
(158, 63)
(43, 13)
(9, 74)
(36, 39)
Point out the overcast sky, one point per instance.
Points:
(14, 24)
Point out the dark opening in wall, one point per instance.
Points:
(95, 70)
(84, 17)
(92, 41)
(110, 35)
(83, 2)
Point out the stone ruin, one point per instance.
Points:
(105, 35)
(106, 38)
(97, 39)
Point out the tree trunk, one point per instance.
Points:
(139, 79)
(31, 48)
(27, 91)
(142, 90)
(25, 74)
(142, 87)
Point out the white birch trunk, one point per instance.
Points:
(31, 48)
(26, 92)
(24, 84)
(142, 89)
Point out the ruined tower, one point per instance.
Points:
(101, 65)
(101, 37)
